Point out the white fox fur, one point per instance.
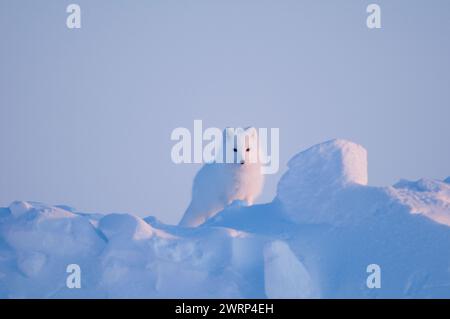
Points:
(217, 185)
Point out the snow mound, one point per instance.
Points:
(315, 239)
(426, 196)
(18, 208)
(334, 163)
(324, 171)
(51, 230)
(285, 276)
(124, 226)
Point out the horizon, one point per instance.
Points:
(86, 114)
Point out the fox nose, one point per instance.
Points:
(242, 162)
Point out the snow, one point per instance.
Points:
(315, 239)
(320, 180)
(284, 275)
(124, 227)
(426, 196)
(19, 208)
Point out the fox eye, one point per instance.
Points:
(248, 150)
(235, 150)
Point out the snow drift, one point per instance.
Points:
(315, 239)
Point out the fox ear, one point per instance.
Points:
(229, 131)
(252, 131)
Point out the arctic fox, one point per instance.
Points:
(219, 183)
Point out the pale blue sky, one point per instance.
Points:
(86, 115)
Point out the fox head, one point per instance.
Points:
(241, 145)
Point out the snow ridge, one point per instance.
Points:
(316, 239)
